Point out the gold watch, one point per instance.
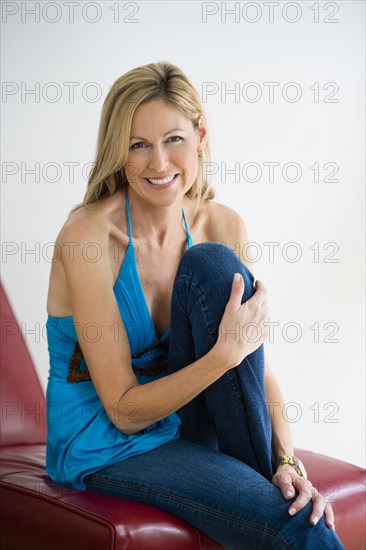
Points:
(294, 462)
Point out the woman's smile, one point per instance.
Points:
(161, 183)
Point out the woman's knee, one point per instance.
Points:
(221, 262)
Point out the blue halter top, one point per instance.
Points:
(80, 436)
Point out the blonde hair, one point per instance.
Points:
(156, 80)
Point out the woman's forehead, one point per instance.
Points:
(158, 117)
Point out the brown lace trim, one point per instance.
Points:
(159, 365)
(148, 348)
(76, 374)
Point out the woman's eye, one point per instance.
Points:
(177, 139)
(134, 146)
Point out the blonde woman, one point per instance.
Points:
(156, 392)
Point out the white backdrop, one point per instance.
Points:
(283, 90)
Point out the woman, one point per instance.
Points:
(158, 382)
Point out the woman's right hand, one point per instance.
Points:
(242, 329)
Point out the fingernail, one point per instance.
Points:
(237, 277)
(332, 526)
(315, 520)
(289, 494)
(292, 511)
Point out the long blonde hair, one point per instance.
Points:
(140, 85)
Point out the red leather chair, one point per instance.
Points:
(39, 514)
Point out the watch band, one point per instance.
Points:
(292, 461)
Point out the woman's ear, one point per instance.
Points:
(201, 131)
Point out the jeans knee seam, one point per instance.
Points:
(203, 306)
(237, 393)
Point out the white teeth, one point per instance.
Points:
(161, 182)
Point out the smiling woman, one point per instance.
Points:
(159, 347)
(162, 158)
(124, 130)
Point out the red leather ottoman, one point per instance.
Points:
(38, 514)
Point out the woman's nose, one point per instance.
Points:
(159, 158)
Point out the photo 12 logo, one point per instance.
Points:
(269, 12)
(270, 92)
(70, 12)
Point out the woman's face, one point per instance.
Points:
(163, 145)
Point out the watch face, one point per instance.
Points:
(301, 467)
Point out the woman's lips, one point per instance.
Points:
(162, 185)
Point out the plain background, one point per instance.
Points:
(316, 270)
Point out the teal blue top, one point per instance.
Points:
(81, 438)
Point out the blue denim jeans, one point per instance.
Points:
(217, 475)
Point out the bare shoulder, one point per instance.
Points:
(222, 221)
(225, 225)
(93, 224)
(88, 231)
(83, 219)
(81, 236)
(84, 237)
(84, 226)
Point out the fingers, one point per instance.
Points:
(329, 516)
(260, 287)
(306, 492)
(285, 483)
(237, 289)
(238, 282)
(309, 493)
(260, 295)
(318, 506)
(236, 294)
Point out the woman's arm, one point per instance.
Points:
(102, 338)
(281, 433)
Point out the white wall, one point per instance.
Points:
(322, 381)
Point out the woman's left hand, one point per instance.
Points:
(289, 482)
